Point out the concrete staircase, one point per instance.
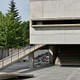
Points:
(17, 56)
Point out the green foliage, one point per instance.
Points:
(25, 31)
(14, 11)
(2, 30)
(12, 31)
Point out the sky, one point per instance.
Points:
(21, 5)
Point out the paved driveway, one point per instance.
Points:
(56, 73)
(47, 72)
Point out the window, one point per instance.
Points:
(53, 22)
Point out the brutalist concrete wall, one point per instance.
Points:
(54, 9)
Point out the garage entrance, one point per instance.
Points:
(69, 54)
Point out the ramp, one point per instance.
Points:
(13, 58)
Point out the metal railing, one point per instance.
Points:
(17, 54)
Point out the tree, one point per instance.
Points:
(2, 30)
(13, 24)
(14, 11)
(25, 31)
(12, 30)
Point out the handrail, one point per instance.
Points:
(12, 55)
(19, 55)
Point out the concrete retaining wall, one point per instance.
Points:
(4, 53)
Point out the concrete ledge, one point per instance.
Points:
(4, 75)
(56, 25)
(57, 18)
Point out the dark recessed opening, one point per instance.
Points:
(51, 22)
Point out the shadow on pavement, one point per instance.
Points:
(38, 68)
(19, 78)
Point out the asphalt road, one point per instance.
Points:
(56, 73)
(47, 72)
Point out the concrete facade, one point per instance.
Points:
(54, 9)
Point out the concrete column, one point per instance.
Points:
(31, 60)
(51, 54)
(57, 61)
(54, 59)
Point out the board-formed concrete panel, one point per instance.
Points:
(54, 8)
(56, 36)
(61, 8)
(36, 8)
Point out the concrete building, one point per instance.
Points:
(57, 23)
